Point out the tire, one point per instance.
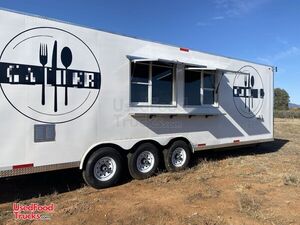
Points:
(144, 161)
(103, 168)
(177, 156)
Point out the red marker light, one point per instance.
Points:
(23, 166)
(201, 145)
(184, 49)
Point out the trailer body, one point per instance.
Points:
(67, 90)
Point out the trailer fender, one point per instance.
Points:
(127, 145)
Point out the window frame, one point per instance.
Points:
(213, 73)
(139, 83)
(202, 89)
(149, 103)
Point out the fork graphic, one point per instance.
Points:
(43, 61)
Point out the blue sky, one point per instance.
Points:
(265, 31)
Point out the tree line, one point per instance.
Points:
(281, 99)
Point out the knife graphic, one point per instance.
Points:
(54, 68)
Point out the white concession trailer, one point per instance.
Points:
(72, 96)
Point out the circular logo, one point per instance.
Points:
(248, 91)
(49, 75)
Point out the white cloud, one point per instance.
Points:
(281, 55)
(218, 18)
(281, 41)
(292, 51)
(202, 24)
(209, 21)
(234, 8)
(264, 60)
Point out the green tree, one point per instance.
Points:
(281, 99)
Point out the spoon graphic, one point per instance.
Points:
(249, 97)
(245, 81)
(252, 85)
(66, 59)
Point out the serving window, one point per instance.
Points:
(199, 86)
(152, 83)
(140, 82)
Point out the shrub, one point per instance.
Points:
(292, 113)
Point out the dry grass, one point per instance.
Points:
(6, 213)
(250, 206)
(291, 179)
(197, 219)
(207, 193)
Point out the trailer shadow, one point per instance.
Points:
(39, 185)
(58, 182)
(258, 149)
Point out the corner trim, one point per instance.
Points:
(241, 143)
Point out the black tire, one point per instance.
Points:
(106, 154)
(133, 158)
(170, 166)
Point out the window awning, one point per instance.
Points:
(192, 67)
(197, 68)
(135, 59)
(232, 71)
(143, 60)
(214, 69)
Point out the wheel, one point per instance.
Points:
(103, 168)
(177, 156)
(143, 162)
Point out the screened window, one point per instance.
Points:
(192, 88)
(208, 88)
(139, 82)
(162, 83)
(199, 87)
(152, 83)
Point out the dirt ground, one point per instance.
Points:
(255, 185)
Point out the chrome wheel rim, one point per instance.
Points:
(178, 157)
(105, 168)
(145, 162)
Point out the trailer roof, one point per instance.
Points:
(125, 35)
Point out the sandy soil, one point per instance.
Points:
(256, 185)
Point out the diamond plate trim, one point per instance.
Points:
(38, 169)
